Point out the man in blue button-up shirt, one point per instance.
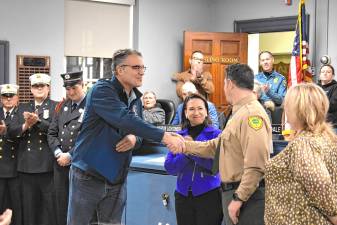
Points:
(274, 85)
(112, 126)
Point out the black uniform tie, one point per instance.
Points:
(73, 107)
(7, 115)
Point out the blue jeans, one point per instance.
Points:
(94, 201)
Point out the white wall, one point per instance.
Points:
(35, 28)
(253, 52)
(161, 24)
(332, 32)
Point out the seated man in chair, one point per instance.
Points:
(152, 113)
(187, 89)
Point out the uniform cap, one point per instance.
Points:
(9, 89)
(39, 78)
(71, 79)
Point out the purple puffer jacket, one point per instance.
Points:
(192, 171)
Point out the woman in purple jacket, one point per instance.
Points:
(197, 195)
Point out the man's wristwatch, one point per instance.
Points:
(236, 197)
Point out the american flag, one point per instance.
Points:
(299, 63)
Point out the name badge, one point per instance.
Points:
(45, 114)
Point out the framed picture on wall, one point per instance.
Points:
(4, 62)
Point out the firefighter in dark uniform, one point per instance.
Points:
(9, 181)
(35, 159)
(62, 135)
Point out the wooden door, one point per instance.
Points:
(220, 50)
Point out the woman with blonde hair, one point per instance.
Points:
(301, 181)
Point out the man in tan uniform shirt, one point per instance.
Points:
(246, 143)
(201, 79)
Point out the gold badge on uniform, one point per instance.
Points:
(275, 80)
(255, 122)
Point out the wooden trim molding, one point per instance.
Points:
(275, 24)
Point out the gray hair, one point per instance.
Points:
(148, 92)
(189, 87)
(257, 88)
(120, 55)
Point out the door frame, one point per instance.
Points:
(275, 24)
(266, 25)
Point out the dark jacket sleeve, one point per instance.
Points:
(52, 136)
(204, 162)
(176, 163)
(116, 113)
(14, 129)
(43, 124)
(333, 100)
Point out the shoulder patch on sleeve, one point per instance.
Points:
(276, 80)
(255, 122)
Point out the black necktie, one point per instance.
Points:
(7, 114)
(73, 107)
(37, 107)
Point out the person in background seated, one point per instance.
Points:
(301, 181)
(274, 85)
(329, 85)
(189, 88)
(196, 74)
(197, 195)
(152, 113)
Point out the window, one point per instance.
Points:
(93, 68)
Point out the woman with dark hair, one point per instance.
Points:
(329, 85)
(197, 195)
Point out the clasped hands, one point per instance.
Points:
(31, 118)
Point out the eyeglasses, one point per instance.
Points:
(197, 59)
(136, 67)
